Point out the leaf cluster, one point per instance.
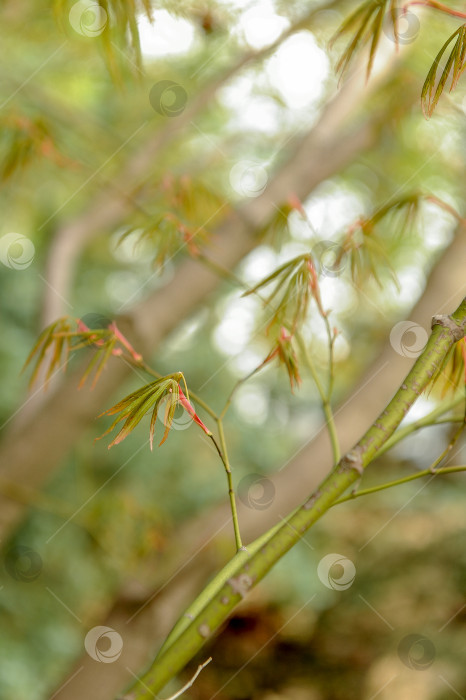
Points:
(295, 285)
(134, 407)
(454, 67)
(285, 352)
(365, 24)
(178, 222)
(53, 341)
(120, 29)
(54, 345)
(364, 244)
(22, 141)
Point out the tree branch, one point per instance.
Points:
(446, 330)
(398, 482)
(193, 556)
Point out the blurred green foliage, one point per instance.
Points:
(73, 108)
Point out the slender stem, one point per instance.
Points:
(231, 491)
(327, 402)
(430, 419)
(326, 407)
(446, 207)
(332, 432)
(431, 470)
(432, 4)
(448, 448)
(216, 607)
(237, 386)
(331, 340)
(397, 482)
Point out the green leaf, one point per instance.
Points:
(432, 90)
(286, 267)
(131, 399)
(99, 360)
(346, 57)
(376, 32)
(46, 341)
(136, 414)
(135, 406)
(170, 409)
(367, 23)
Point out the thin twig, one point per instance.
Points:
(237, 386)
(231, 491)
(190, 683)
(433, 5)
(430, 419)
(326, 407)
(397, 482)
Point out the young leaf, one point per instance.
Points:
(367, 22)
(455, 65)
(185, 402)
(299, 280)
(286, 354)
(135, 406)
(51, 337)
(58, 339)
(364, 241)
(98, 361)
(181, 208)
(170, 408)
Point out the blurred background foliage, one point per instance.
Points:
(73, 106)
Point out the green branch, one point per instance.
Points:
(432, 418)
(231, 491)
(397, 482)
(325, 397)
(249, 567)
